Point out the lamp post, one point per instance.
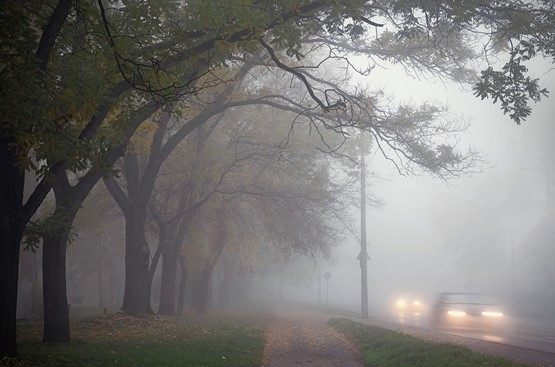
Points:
(327, 275)
(363, 254)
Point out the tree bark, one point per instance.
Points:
(170, 257)
(137, 255)
(56, 313)
(9, 261)
(11, 232)
(170, 252)
(68, 201)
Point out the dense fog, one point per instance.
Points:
(487, 231)
(166, 164)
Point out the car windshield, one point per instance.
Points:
(468, 298)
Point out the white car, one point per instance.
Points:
(466, 310)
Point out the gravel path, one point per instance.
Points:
(298, 338)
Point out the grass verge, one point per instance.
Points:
(122, 340)
(388, 348)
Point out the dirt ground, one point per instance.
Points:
(300, 338)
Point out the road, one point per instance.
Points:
(525, 340)
(520, 332)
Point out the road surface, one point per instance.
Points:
(526, 340)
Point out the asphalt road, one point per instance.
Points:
(525, 340)
(521, 332)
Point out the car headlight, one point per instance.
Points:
(401, 303)
(416, 303)
(456, 313)
(492, 314)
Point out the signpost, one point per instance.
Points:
(327, 276)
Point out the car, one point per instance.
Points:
(408, 306)
(460, 310)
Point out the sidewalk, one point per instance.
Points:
(302, 338)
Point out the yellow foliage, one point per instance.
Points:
(141, 140)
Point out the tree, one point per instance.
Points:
(277, 194)
(146, 61)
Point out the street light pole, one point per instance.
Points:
(363, 254)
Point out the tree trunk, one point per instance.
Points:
(173, 236)
(56, 314)
(182, 285)
(201, 290)
(168, 281)
(68, 201)
(228, 267)
(137, 281)
(9, 264)
(11, 232)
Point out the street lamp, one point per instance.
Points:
(363, 256)
(327, 275)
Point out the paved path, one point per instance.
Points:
(297, 338)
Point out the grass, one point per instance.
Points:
(218, 340)
(331, 310)
(121, 340)
(388, 348)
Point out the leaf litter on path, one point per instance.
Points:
(298, 338)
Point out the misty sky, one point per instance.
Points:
(415, 239)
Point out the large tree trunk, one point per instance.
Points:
(9, 264)
(56, 314)
(11, 232)
(136, 298)
(137, 281)
(168, 281)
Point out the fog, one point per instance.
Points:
(477, 233)
(486, 231)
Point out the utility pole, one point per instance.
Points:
(363, 254)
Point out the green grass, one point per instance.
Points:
(332, 310)
(388, 348)
(217, 340)
(119, 340)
